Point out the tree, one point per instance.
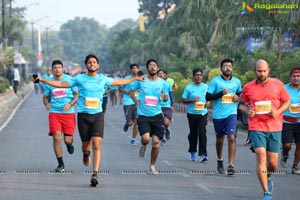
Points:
(81, 37)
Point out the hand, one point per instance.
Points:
(197, 99)
(67, 107)
(225, 91)
(274, 113)
(48, 106)
(251, 112)
(235, 98)
(163, 96)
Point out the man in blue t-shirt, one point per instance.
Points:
(61, 113)
(224, 91)
(90, 118)
(129, 105)
(150, 119)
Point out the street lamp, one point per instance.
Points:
(32, 30)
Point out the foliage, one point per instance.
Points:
(4, 84)
(82, 36)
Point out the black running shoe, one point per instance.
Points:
(59, 169)
(70, 148)
(94, 180)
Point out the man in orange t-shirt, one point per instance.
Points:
(265, 100)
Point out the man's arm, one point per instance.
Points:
(71, 103)
(57, 84)
(125, 81)
(46, 102)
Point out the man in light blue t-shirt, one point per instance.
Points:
(60, 103)
(150, 119)
(129, 105)
(224, 91)
(90, 118)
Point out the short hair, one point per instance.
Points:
(57, 62)
(226, 60)
(151, 60)
(90, 56)
(197, 70)
(161, 70)
(132, 65)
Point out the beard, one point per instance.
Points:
(227, 73)
(262, 78)
(92, 70)
(152, 73)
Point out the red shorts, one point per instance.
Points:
(64, 123)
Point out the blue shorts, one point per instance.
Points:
(269, 140)
(225, 126)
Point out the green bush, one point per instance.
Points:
(4, 85)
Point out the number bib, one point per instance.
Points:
(151, 101)
(295, 108)
(228, 98)
(199, 106)
(263, 107)
(92, 103)
(59, 93)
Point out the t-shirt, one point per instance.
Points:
(127, 100)
(263, 97)
(294, 108)
(192, 91)
(224, 107)
(60, 96)
(149, 96)
(90, 91)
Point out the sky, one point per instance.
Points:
(53, 13)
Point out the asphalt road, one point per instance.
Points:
(27, 160)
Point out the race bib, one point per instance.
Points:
(59, 93)
(228, 98)
(199, 106)
(263, 107)
(92, 103)
(295, 108)
(151, 101)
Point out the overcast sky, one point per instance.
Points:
(53, 13)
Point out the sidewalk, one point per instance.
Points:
(9, 101)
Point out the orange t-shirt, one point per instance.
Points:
(263, 97)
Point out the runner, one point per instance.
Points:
(61, 113)
(150, 119)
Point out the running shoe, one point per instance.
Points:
(125, 127)
(133, 142)
(295, 170)
(142, 150)
(220, 167)
(59, 169)
(86, 159)
(168, 133)
(230, 170)
(270, 185)
(94, 180)
(153, 171)
(284, 160)
(163, 142)
(203, 158)
(193, 156)
(70, 148)
(267, 196)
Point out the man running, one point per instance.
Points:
(61, 113)
(150, 119)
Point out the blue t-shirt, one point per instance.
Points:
(127, 100)
(60, 96)
(295, 102)
(115, 87)
(167, 87)
(149, 96)
(193, 91)
(90, 90)
(45, 76)
(222, 107)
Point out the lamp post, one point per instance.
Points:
(33, 22)
(3, 25)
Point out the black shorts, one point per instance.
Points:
(291, 133)
(167, 112)
(90, 125)
(130, 112)
(153, 125)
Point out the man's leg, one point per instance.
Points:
(154, 154)
(261, 167)
(96, 147)
(219, 147)
(68, 139)
(58, 151)
(231, 148)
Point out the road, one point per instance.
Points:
(27, 160)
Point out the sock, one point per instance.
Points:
(60, 161)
